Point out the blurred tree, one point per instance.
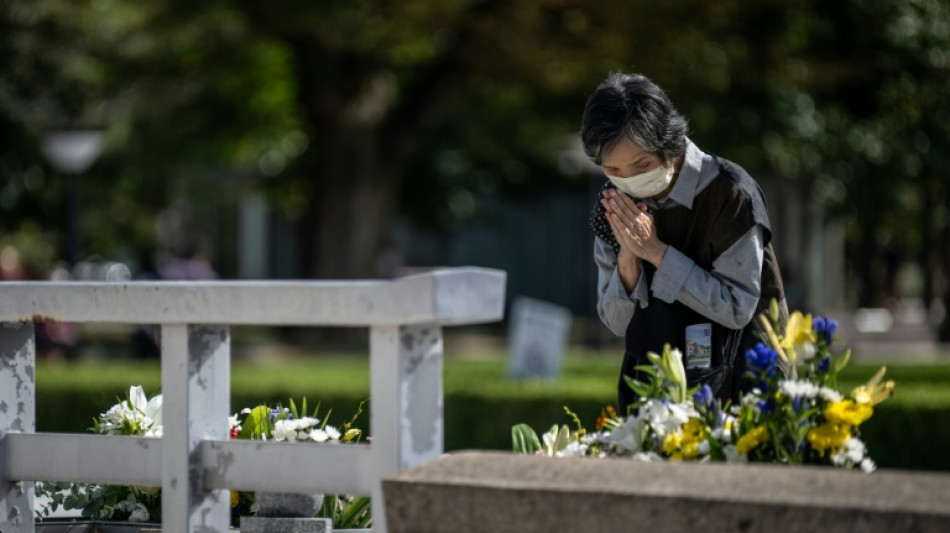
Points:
(347, 113)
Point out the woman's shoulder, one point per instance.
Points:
(734, 190)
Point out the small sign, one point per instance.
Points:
(537, 339)
(699, 345)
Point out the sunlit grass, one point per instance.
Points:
(585, 374)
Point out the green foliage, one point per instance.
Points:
(347, 512)
(257, 424)
(101, 502)
(524, 439)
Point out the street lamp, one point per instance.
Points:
(71, 152)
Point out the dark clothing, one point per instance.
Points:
(720, 214)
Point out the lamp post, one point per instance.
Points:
(71, 152)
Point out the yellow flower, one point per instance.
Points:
(691, 450)
(799, 335)
(828, 436)
(234, 498)
(693, 430)
(672, 443)
(753, 439)
(847, 412)
(874, 392)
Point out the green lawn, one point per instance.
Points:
(481, 402)
(586, 375)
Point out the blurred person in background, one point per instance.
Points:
(683, 240)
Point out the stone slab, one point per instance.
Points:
(257, 524)
(500, 492)
(287, 505)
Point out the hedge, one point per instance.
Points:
(481, 404)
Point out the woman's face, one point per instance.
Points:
(625, 159)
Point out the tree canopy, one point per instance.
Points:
(351, 114)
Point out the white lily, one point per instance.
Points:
(628, 436)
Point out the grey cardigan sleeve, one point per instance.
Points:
(728, 294)
(614, 305)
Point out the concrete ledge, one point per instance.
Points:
(500, 492)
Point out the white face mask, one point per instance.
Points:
(645, 185)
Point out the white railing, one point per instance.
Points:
(194, 462)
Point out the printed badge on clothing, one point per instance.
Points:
(698, 346)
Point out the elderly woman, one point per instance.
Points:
(683, 241)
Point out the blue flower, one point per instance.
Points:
(824, 328)
(704, 396)
(798, 403)
(766, 406)
(825, 364)
(762, 359)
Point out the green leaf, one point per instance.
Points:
(293, 409)
(330, 508)
(351, 512)
(647, 369)
(524, 439)
(843, 360)
(257, 424)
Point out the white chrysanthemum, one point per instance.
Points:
(305, 423)
(332, 432)
(573, 449)
(233, 422)
(829, 395)
(284, 431)
(851, 453)
(868, 465)
(798, 389)
(318, 435)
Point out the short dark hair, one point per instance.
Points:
(634, 106)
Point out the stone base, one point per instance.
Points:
(475, 492)
(287, 505)
(258, 524)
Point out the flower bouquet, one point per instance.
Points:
(793, 417)
(287, 424)
(139, 416)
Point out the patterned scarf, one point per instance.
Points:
(598, 220)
